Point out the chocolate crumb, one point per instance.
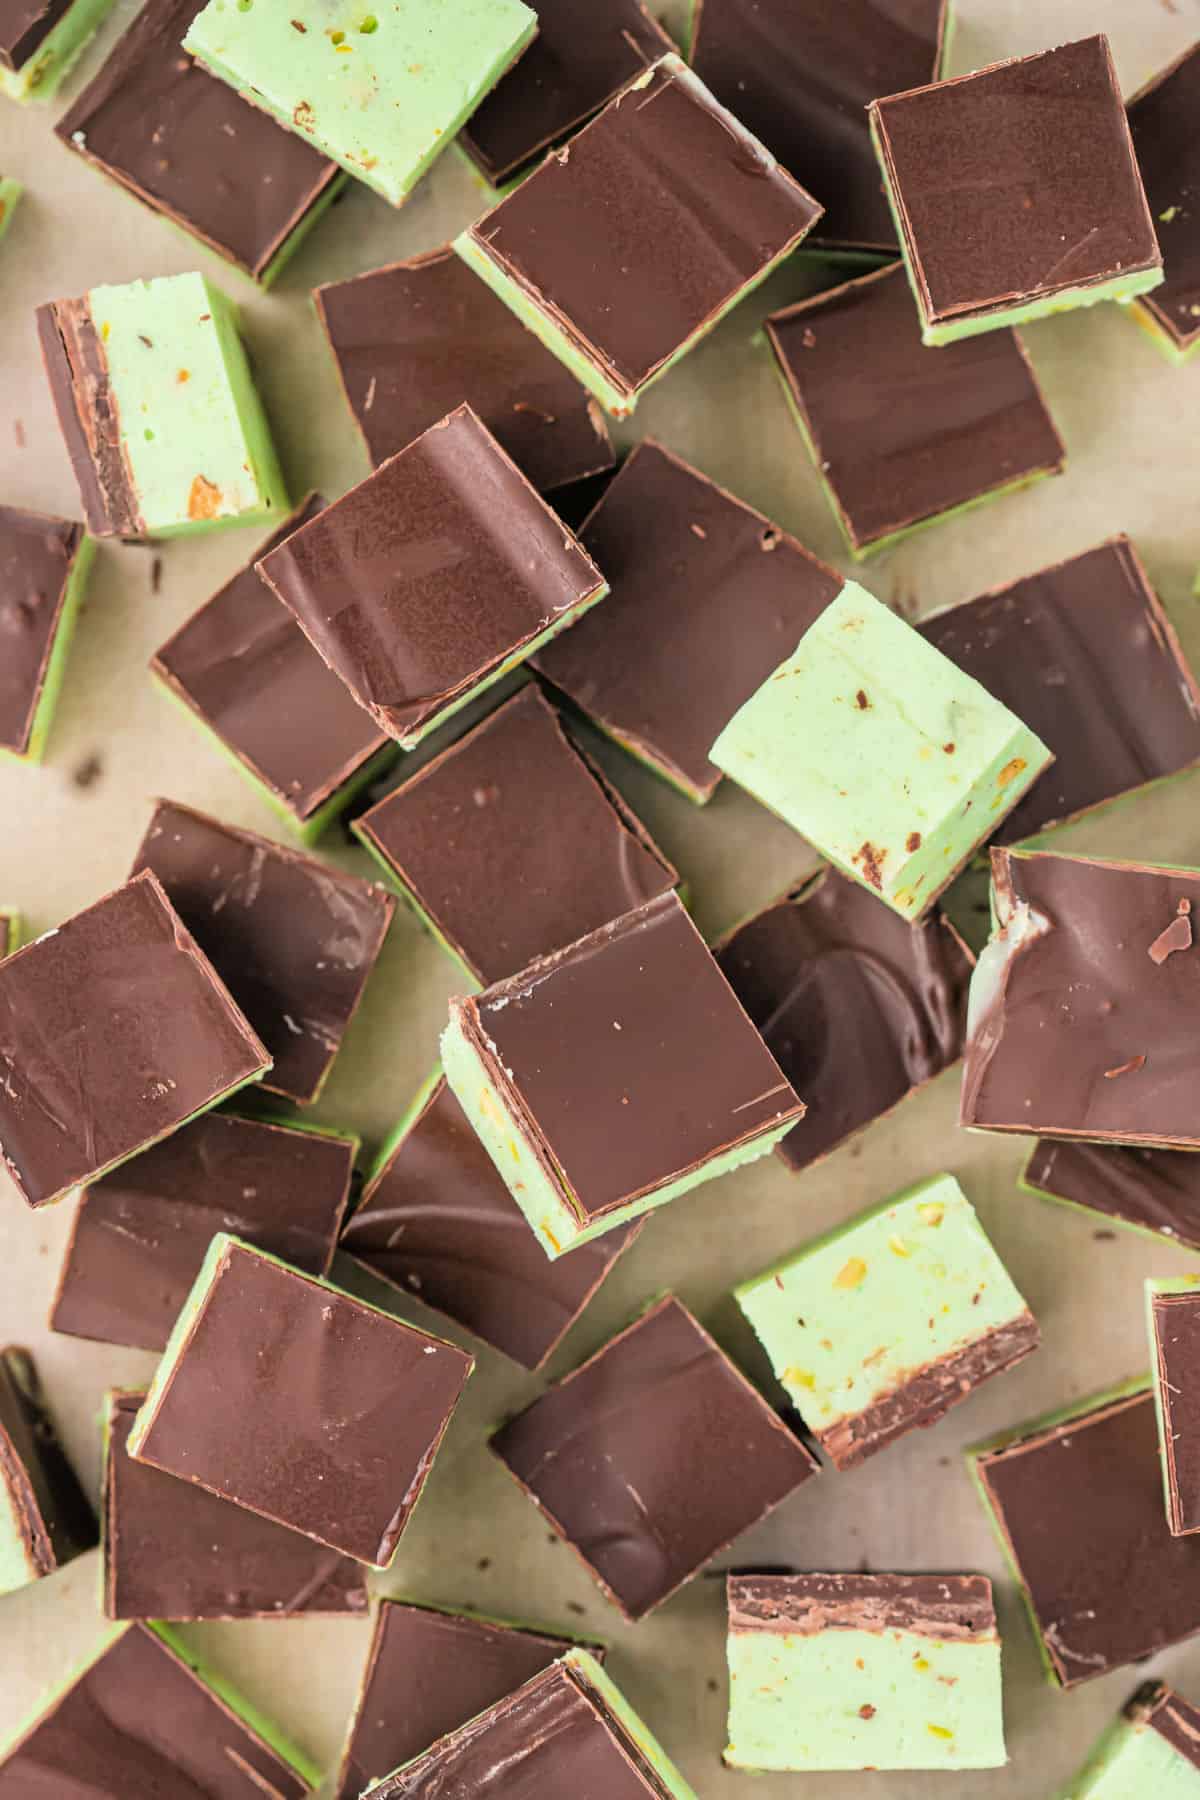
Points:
(88, 772)
(1104, 1237)
(19, 434)
(485, 1562)
(714, 1687)
(574, 1607)
(156, 569)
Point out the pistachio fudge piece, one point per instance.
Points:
(864, 1672)
(887, 1322)
(44, 568)
(1152, 1749)
(380, 91)
(40, 40)
(1173, 1327)
(158, 408)
(45, 1520)
(1163, 118)
(891, 761)
(10, 193)
(1154, 1192)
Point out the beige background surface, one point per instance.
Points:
(70, 830)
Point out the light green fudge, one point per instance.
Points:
(41, 76)
(10, 193)
(380, 86)
(1135, 1761)
(891, 761)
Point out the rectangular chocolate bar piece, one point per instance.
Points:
(141, 1234)
(44, 567)
(615, 1075)
(1082, 1004)
(1173, 1327)
(290, 1398)
(40, 40)
(115, 1029)
(1152, 1749)
(433, 578)
(622, 250)
(1156, 1192)
(46, 1520)
(1162, 118)
(864, 1672)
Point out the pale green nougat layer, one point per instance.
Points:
(193, 431)
(798, 1700)
(1132, 1761)
(41, 77)
(380, 86)
(891, 761)
(10, 193)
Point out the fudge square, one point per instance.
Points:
(1162, 118)
(652, 1457)
(436, 1220)
(683, 212)
(893, 763)
(44, 566)
(885, 1323)
(45, 1519)
(1016, 191)
(864, 1672)
(1155, 1192)
(260, 1399)
(141, 1234)
(1082, 1004)
(569, 1730)
(158, 409)
(1173, 1327)
(706, 596)
(926, 436)
(381, 92)
(116, 1030)
(510, 844)
(1153, 1748)
(1076, 1501)
(41, 39)
(834, 981)
(614, 1075)
(433, 578)
(144, 1718)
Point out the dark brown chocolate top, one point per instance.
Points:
(707, 599)
(1168, 1713)
(77, 371)
(142, 1232)
(1080, 1503)
(25, 25)
(114, 1029)
(1083, 654)
(1163, 121)
(36, 555)
(800, 73)
(427, 1674)
(653, 1457)
(900, 435)
(421, 582)
(41, 1490)
(139, 1722)
(191, 147)
(294, 939)
(834, 981)
(306, 1406)
(1175, 1339)
(1017, 181)
(418, 338)
(1158, 1190)
(647, 225)
(437, 1221)
(948, 1607)
(629, 1058)
(1082, 1012)
(512, 844)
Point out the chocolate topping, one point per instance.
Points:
(39, 1486)
(25, 25)
(947, 1607)
(1158, 1190)
(1162, 118)
(36, 554)
(1175, 1339)
(77, 370)
(1173, 1717)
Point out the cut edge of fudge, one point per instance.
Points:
(80, 557)
(54, 52)
(45, 1516)
(1161, 1295)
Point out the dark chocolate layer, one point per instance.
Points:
(1175, 1322)
(950, 1608)
(1173, 1717)
(1163, 121)
(36, 555)
(77, 370)
(41, 1488)
(25, 25)
(1158, 1190)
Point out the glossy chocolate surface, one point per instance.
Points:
(1175, 1341)
(1157, 1190)
(36, 554)
(40, 1488)
(947, 1607)
(1163, 121)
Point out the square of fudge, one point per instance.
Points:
(1162, 118)
(834, 981)
(511, 844)
(194, 151)
(380, 92)
(864, 1672)
(1081, 1010)
(117, 1030)
(429, 1672)
(44, 566)
(10, 193)
(1016, 191)
(46, 1520)
(801, 78)
(902, 439)
(615, 1075)
(433, 578)
(294, 940)
(886, 1322)
(144, 1716)
(705, 598)
(1085, 654)
(173, 1551)
(1173, 1328)
(244, 669)
(292, 1399)
(1154, 1192)
(416, 339)
(1152, 1748)
(1076, 1502)
(652, 1457)
(40, 40)
(682, 211)
(141, 1234)
(158, 409)
(891, 761)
